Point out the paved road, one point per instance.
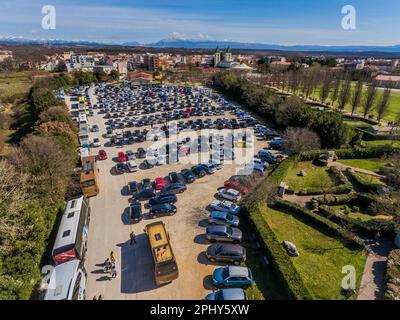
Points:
(109, 231)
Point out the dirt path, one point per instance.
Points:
(343, 167)
(373, 279)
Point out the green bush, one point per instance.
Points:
(321, 222)
(336, 199)
(364, 153)
(392, 276)
(276, 255)
(369, 136)
(363, 184)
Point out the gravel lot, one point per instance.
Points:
(109, 230)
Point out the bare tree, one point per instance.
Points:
(326, 87)
(357, 95)
(383, 104)
(301, 139)
(336, 88)
(345, 91)
(369, 99)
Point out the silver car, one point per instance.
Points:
(223, 234)
(229, 194)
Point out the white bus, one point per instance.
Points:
(73, 231)
(66, 281)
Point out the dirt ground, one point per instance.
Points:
(109, 230)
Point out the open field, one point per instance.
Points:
(16, 83)
(321, 256)
(315, 176)
(373, 164)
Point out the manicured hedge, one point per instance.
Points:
(276, 255)
(364, 185)
(364, 153)
(387, 229)
(369, 136)
(321, 222)
(336, 199)
(392, 290)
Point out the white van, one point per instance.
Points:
(132, 166)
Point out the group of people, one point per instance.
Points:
(109, 265)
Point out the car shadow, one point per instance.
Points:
(125, 217)
(104, 278)
(208, 283)
(137, 270)
(201, 239)
(125, 191)
(202, 258)
(203, 223)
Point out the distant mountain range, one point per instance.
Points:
(212, 44)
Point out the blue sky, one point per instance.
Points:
(265, 21)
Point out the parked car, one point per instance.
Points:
(224, 234)
(174, 188)
(199, 171)
(147, 184)
(174, 177)
(235, 185)
(267, 156)
(135, 212)
(141, 153)
(162, 210)
(227, 294)
(95, 128)
(223, 218)
(130, 155)
(120, 168)
(229, 194)
(188, 175)
(145, 194)
(208, 167)
(96, 143)
(102, 155)
(134, 187)
(122, 157)
(160, 183)
(225, 206)
(163, 198)
(226, 252)
(232, 276)
(131, 166)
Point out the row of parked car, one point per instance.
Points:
(223, 231)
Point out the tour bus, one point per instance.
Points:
(84, 135)
(66, 281)
(82, 119)
(72, 234)
(165, 267)
(89, 178)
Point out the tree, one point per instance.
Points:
(336, 88)
(345, 91)
(391, 170)
(326, 87)
(383, 104)
(369, 99)
(357, 95)
(47, 162)
(293, 113)
(61, 66)
(300, 139)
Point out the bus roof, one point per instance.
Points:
(67, 231)
(88, 167)
(61, 278)
(159, 241)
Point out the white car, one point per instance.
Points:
(161, 160)
(132, 166)
(259, 162)
(225, 206)
(96, 143)
(229, 194)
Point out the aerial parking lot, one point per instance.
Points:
(119, 122)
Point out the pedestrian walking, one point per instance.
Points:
(133, 238)
(95, 298)
(112, 256)
(100, 297)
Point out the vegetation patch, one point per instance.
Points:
(372, 164)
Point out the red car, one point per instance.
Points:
(160, 183)
(122, 157)
(102, 155)
(229, 184)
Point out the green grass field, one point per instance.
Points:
(373, 164)
(393, 143)
(321, 256)
(314, 177)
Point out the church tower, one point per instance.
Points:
(217, 56)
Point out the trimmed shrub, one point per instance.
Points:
(363, 184)
(364, 153)
(370, 136)
(336, 199)
(321, 222)
(392, 290)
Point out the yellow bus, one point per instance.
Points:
(165, 267)
(89, 179)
